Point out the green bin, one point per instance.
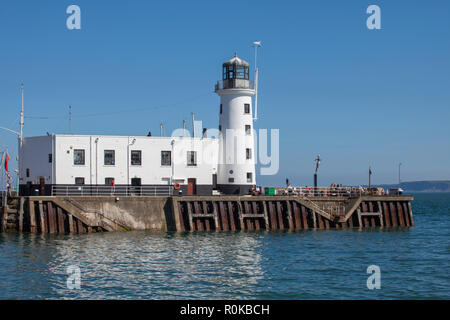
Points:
(269, 191)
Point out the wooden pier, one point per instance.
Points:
(66, 215)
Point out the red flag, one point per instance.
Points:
(6, 161)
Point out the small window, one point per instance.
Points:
(248, 129)
(135, 182)
(109, 181)
(191, 158)
(230, 179)
(28, 173)
(79, 180)
(136, 157)
(220, 108)
(78, 157)
(110, 157)
(248, 153)
(249, 177)
(166, 158)
(220, 127)
(50, 158)
(246, 108)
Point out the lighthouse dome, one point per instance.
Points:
(236, 61)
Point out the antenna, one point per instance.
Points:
(256, 44)
(193, 125)
(161, 129)
(21, 119)
(70, 119)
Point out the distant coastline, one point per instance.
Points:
(421, 186)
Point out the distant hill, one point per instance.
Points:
(421, 186)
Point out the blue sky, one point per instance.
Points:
(355, 96)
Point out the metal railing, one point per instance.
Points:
(350, 192)
(86, 190)
(234, 84)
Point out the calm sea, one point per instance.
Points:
(414, 263)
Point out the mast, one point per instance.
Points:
(21, 120)
(256, 44)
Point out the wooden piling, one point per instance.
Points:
(42, 217)
(32, 215)
(21, 205)
(231, 215)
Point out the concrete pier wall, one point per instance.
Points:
(203, 213)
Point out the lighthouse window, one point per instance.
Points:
(248, 129)
(166, 158)
(78, 157)
(249, 177)
(246, 108)
(248, 153)
(79, 180)
(136, 157)
(220, 108)
(220, 127)
(110, 158)
(191, 158)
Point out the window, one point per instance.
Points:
(246, 108)
(249, 177)
(110, 158)
(220, 108)
(220, 127)
(78, 157)
(136, 157)
(79, 180)
(191, 158)
(109, 181)
(248, 129)
(230, 179)
(28, 173)
(135, 182)
(166, 158)
(248, 153)
(50, 158)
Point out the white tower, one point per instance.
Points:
(236, 168)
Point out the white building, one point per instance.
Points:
(90, 164)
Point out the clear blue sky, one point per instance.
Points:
(355, 96)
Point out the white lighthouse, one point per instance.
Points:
(236, 168)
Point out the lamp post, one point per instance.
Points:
(399, 181)
(315, 173)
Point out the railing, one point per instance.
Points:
(350, 192)
(86, 190)
(234, 84)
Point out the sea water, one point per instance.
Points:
(326, 264)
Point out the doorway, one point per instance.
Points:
(192, 186)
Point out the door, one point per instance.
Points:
(192, 186)
(41, 186)
(214, 181)
(136, 186)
